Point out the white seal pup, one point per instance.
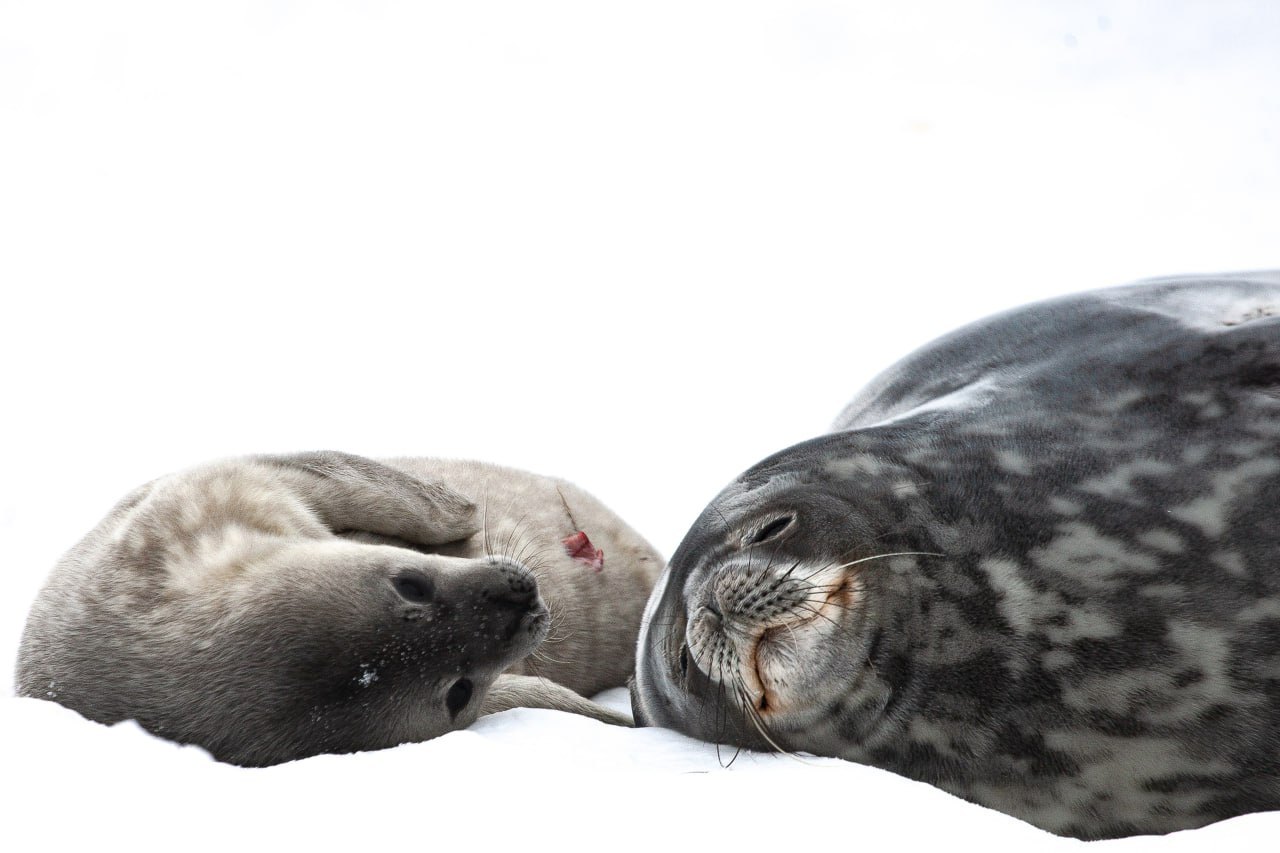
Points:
(1035, 564)
(275, 607)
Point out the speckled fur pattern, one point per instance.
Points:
(274, 607)
(1035, 564)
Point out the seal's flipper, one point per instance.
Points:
(352, 494)
(527, 691)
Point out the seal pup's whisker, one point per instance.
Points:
(515, 531)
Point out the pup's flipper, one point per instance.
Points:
(354, 494)
(527, 691)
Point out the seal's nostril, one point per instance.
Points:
(413, 587)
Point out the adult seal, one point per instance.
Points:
(269, 608)
(1035, 564)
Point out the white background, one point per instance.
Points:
(639, 245)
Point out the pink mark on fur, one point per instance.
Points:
(580, 548)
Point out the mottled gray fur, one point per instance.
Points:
(1036, 564)
(274, 607)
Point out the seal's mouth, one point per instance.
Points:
(536, 623)
(762, 701)
(776, 646)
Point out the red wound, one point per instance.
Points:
(579, 547)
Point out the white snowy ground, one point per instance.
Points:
(638, 245)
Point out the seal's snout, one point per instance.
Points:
(512, 584)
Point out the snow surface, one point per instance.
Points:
(639, 245)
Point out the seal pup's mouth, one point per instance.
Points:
(536, 623)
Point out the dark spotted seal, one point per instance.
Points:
(276, 607)
(1036, 564)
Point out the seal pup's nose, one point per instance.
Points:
(512, 584)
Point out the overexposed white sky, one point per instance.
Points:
(639, 245)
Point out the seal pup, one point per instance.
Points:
(275, 607)
(1036, 564)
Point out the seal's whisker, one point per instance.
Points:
(754, 715)
(762, 728)
(507, 545)
(721, 709)
(891, 554)
(489, 546)
(530, 552)
(556, 620)
(842, 566)
(723, 520)
(759, 593)
(795, 641)
(817, 613)
(539, 654)
(484, 525)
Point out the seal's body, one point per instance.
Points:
(1035, 564)
(275, 607)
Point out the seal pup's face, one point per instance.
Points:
(342, 647)
(771, 610)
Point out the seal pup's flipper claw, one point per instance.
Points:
(527, 691)
(352, 494)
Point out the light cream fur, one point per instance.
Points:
(249, 605)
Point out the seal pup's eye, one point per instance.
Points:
(458, 696)
(413, 587)
(684, 659)
(770, 530)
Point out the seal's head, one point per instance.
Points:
(333, 647)
(347, 648)
(774, 606)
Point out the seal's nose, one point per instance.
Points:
(512, 584)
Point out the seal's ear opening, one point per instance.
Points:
(637, 714)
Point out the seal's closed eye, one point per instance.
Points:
(414, 587)
(770, 530)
